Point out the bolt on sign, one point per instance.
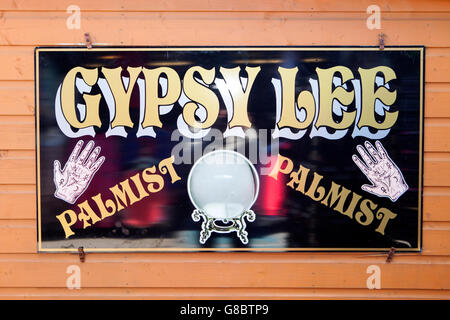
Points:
(229, 148)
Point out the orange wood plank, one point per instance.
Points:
(17, 132)
(17, 171)
(437, 65)
(217, 293)
(224, 5)
(18, 236)
(225, 275)
(17, 63)
(17, 205)
(437, 100)
(236, 257)
(436, 241)
(182, 274)
(436, 170)
(437, 133)
(436, 204)
(224, 28)
(17, 98)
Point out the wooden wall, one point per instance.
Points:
(25, 24)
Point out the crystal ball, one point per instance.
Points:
(223, 184)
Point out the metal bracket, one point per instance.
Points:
(390, 255)
(381, 41)
(237, 224)
(81, 254)
(87, 39)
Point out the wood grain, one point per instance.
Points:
(24, 274)
(227, 5)
(257, 273)
(223, 28)
(219, 293)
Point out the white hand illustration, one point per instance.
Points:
(387, 179)
(78, 172)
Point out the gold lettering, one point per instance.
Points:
(278, 166)
(366, 207)
(121, 195)
(201, 94)
(327, 95)
(67, 224)
(341, 195)
(305, 100)
(152, 98)
(314, 187)
(385, 215)
(121, 96)
(166, 165)
(86, 213)
(239, 96)
(68, 107)
(149, 176)
(370, 95)
(104, 212)
(302, 173)
(139, 186)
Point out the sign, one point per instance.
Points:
(229, 148)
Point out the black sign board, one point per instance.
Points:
(229, 148)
